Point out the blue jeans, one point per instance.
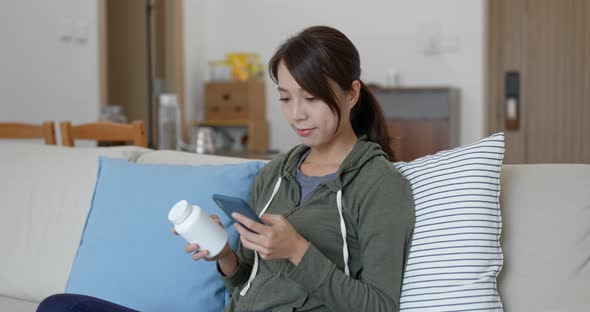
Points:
(79, 303)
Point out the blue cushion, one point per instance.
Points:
(128, 254)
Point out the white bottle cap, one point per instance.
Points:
(180, 212)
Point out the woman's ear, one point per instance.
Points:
(354, 93)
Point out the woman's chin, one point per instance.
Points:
(309, 142)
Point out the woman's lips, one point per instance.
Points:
(304, 132)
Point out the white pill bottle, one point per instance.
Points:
(196, 227)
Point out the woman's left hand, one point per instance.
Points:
(275, 239)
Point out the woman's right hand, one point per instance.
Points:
(198, 254)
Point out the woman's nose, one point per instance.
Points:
(298, 111)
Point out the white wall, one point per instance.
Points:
(41, 76)
(195, 60)
(45, 78)
(387, 33)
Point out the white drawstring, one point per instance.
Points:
(343, 231)
(255, 267)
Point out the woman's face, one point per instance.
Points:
(310, 117)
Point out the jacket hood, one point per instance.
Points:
(362, 152)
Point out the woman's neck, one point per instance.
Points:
(334, 152)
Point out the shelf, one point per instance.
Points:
(257, 131)
(222, 123)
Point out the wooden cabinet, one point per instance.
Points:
(238, 104)
(235, 100)
(421, 121)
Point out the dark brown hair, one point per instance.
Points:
(321, 55)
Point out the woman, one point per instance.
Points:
(338, 218)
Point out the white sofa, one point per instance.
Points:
(46, 191)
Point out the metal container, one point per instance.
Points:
(205, 141)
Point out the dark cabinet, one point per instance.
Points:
(421, 121)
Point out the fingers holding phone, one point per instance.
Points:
(275, 239)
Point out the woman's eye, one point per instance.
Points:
(310, 99)
(284, 99)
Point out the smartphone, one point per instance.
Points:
(231, 204)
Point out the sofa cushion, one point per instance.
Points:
(128, 254)
(17, 305)
(185, 158)
(455, 255)
(546, 237)
(46, 192)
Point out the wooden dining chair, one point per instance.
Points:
(16, 130)
(104, 132)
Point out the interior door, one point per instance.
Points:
(124, 29)
(538, 79)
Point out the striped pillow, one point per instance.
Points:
(455, 255)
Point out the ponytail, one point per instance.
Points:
(367, 118)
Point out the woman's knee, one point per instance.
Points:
(75, 302)
(57, 302)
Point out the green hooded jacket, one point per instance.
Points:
(377, 209)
